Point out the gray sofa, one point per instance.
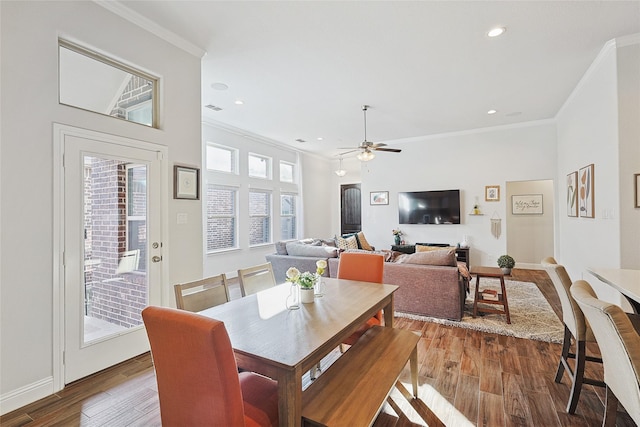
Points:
(301, 254)
(426, 290)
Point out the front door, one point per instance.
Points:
(112, 249)
(350, 208)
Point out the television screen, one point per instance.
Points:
(429, 207)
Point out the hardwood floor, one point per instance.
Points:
(466, 378)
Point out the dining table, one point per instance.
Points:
(283, 344)
(625, 281)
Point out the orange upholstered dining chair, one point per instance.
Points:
(197, 376)
(365, 268)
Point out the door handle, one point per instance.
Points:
(156, 258)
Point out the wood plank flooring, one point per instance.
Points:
(466, 378)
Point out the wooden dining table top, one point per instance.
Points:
(282, 344)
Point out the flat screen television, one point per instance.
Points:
(429, 207)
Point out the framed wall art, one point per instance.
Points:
(586, 200)
(379, 198)
(572, 194)
(492, 193)
(186, 182)
(526, 204)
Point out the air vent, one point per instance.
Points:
(213, 107)
(300, 140)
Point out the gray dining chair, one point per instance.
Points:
(576, 329)
(615, 332)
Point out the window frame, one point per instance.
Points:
(294, 215)
(269, 164)
(235, 216)
(235, 156)
(104, 59)
(268, 216)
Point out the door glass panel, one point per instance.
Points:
(115, 246)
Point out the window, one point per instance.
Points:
(259, 166)
(259, 217)
(286, 172)
(222, 221)
(288, 216)
(94, 82)
(222, 159)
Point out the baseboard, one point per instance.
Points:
(25, 395)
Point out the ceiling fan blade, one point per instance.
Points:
(379, 144)
(347, 152)
(391, 150)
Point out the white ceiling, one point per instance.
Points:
(304, 68)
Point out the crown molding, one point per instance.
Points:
(145, 23)
(609, 47)
(474, 131)
(629, 40)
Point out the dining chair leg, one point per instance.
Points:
(610, 409)
(566, 344)
(578, 376)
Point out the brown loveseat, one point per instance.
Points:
(426, 290)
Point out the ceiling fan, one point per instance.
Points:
(366, 148)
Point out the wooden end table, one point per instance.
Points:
(496, 273)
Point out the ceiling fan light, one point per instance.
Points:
(365, 156)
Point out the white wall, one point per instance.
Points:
(588, 133)
(29, 58)
(599, 124)
(468, 161)
(530, 238)
(629, 133)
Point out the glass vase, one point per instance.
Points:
(293, 300)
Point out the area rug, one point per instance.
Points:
(531, 315)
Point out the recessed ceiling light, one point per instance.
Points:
(495, 32)
(239, 102)
(320, 138)
(219, 86)
(492, 111)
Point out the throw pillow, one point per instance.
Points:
(281, 248)
(362, 241)
(423, 248)
(346, 243)
(445, 257)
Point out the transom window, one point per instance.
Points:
(94, 82)
(222, 159)
(259, 166)
(286, 172)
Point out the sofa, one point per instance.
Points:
(424, 289)
(302, 254)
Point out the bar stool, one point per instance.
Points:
(575, 328)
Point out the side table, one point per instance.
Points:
(496, 273)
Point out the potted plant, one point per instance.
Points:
(506, 263)
(307, 282)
